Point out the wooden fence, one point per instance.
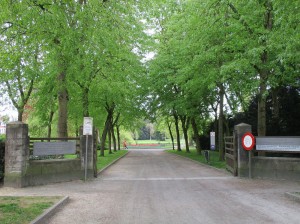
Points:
(231, 155)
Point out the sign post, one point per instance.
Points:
(212, 140)
(248, 142)
(87, 130)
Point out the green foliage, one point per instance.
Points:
(97, 45)
(2, 138)
(198, 46)
(202, 44)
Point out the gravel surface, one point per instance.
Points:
(152, 186)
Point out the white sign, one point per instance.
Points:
(248, 141)
(87, 126)
(212, 140)
(280, 144)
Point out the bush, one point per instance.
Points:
(2, 138)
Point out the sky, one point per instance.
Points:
(8, 109)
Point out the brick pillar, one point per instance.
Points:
(242, 154)
(16, 154)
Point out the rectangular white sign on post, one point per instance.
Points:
(87, 126)
(212, 140)
(87, 130)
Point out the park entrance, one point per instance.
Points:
(39, 161)
(272, 158)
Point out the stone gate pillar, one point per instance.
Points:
(242, 155)
(16, 154)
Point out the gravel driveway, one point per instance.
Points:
(152, 186)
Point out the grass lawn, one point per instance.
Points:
(103, 161)
(109, 158)
(72, 156)
(151, 142)
(214, 157)
(22, 210)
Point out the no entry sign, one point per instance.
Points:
(248, 141)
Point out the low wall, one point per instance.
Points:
(20, 171)
(40, 172)
(276, 168)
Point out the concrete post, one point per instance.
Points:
(16, 154)
(90, 164)
(242, 154)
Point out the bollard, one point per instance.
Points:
(206, 155)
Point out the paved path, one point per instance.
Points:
(151, 186)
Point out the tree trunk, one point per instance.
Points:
(109, 137)
(261, 105)
(261, 116)
(107, 126)
(20, 114)
(177, 131)
(77, 128)
(221, 121)
(171, 134)
(185, 126)
(113, 135)
(118, 137)
(95, 138)
(63, 98)
(264, 72)
(20, 104)
(104, 134)
(196, 136)
(50, 123)
(261, 110)
(85, 102)
(114, 124)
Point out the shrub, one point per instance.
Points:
(2, 138)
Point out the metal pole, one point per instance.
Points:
(250, 164)
(85, 160)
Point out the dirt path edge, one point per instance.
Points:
(100, 171)
(295, 196)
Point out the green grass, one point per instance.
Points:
(70, 156)
(22, 210)
(214, 157)
(103, 161)
(168, 141)
(109, 158)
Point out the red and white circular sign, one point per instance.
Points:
(248, 141)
